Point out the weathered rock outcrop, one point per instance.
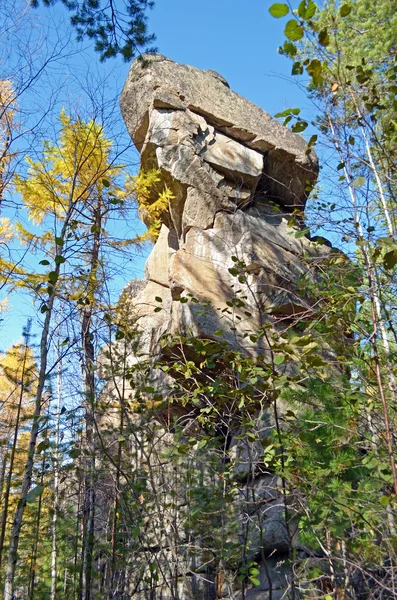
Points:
(192, 125)
(235, 174)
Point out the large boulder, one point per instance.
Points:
(167, 105)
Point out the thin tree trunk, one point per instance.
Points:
(77, 533)
(374, 318)
(374, 168)
(116, 507)
(4, 461)
(32, 576)
(56, 486)
(90, 393)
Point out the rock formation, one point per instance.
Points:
(236, 175)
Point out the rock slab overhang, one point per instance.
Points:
(157, 83)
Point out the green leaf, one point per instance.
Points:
(299, 126)
(312, 140)
(183, 448)
(43, 308)
(278, 10)
(289, 49)
(59, 241)
(314, 69)
(202, 443)
(255, 581)
(384, 501)
(302, 233)
(385, 241)
(390, 259)
(158, 299)
(105, 183)
(158, 309)
(315, 361)
(59, 259)
(345, 10)
(52, 276)
(297, 68)
(359, 182)
(308, 11)
(44, 262)
(311, 10)
(35, 493)
(293, 31)
(279, 359)
(288, 112)
(302, 9)
(323, 37)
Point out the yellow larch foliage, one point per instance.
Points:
(75, 169)
(18, 374)
(153, 198)
(7, 233)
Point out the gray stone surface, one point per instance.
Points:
(235, 173)
(156, 82)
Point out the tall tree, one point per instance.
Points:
(70, 192)
(348, 52)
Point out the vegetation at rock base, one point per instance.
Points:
(249, 462)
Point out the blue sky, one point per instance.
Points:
(239, 40)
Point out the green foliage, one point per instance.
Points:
(279, 10)
(116, 30)
(327, 441)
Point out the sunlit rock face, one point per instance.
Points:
(236, 175)
(187, 119)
